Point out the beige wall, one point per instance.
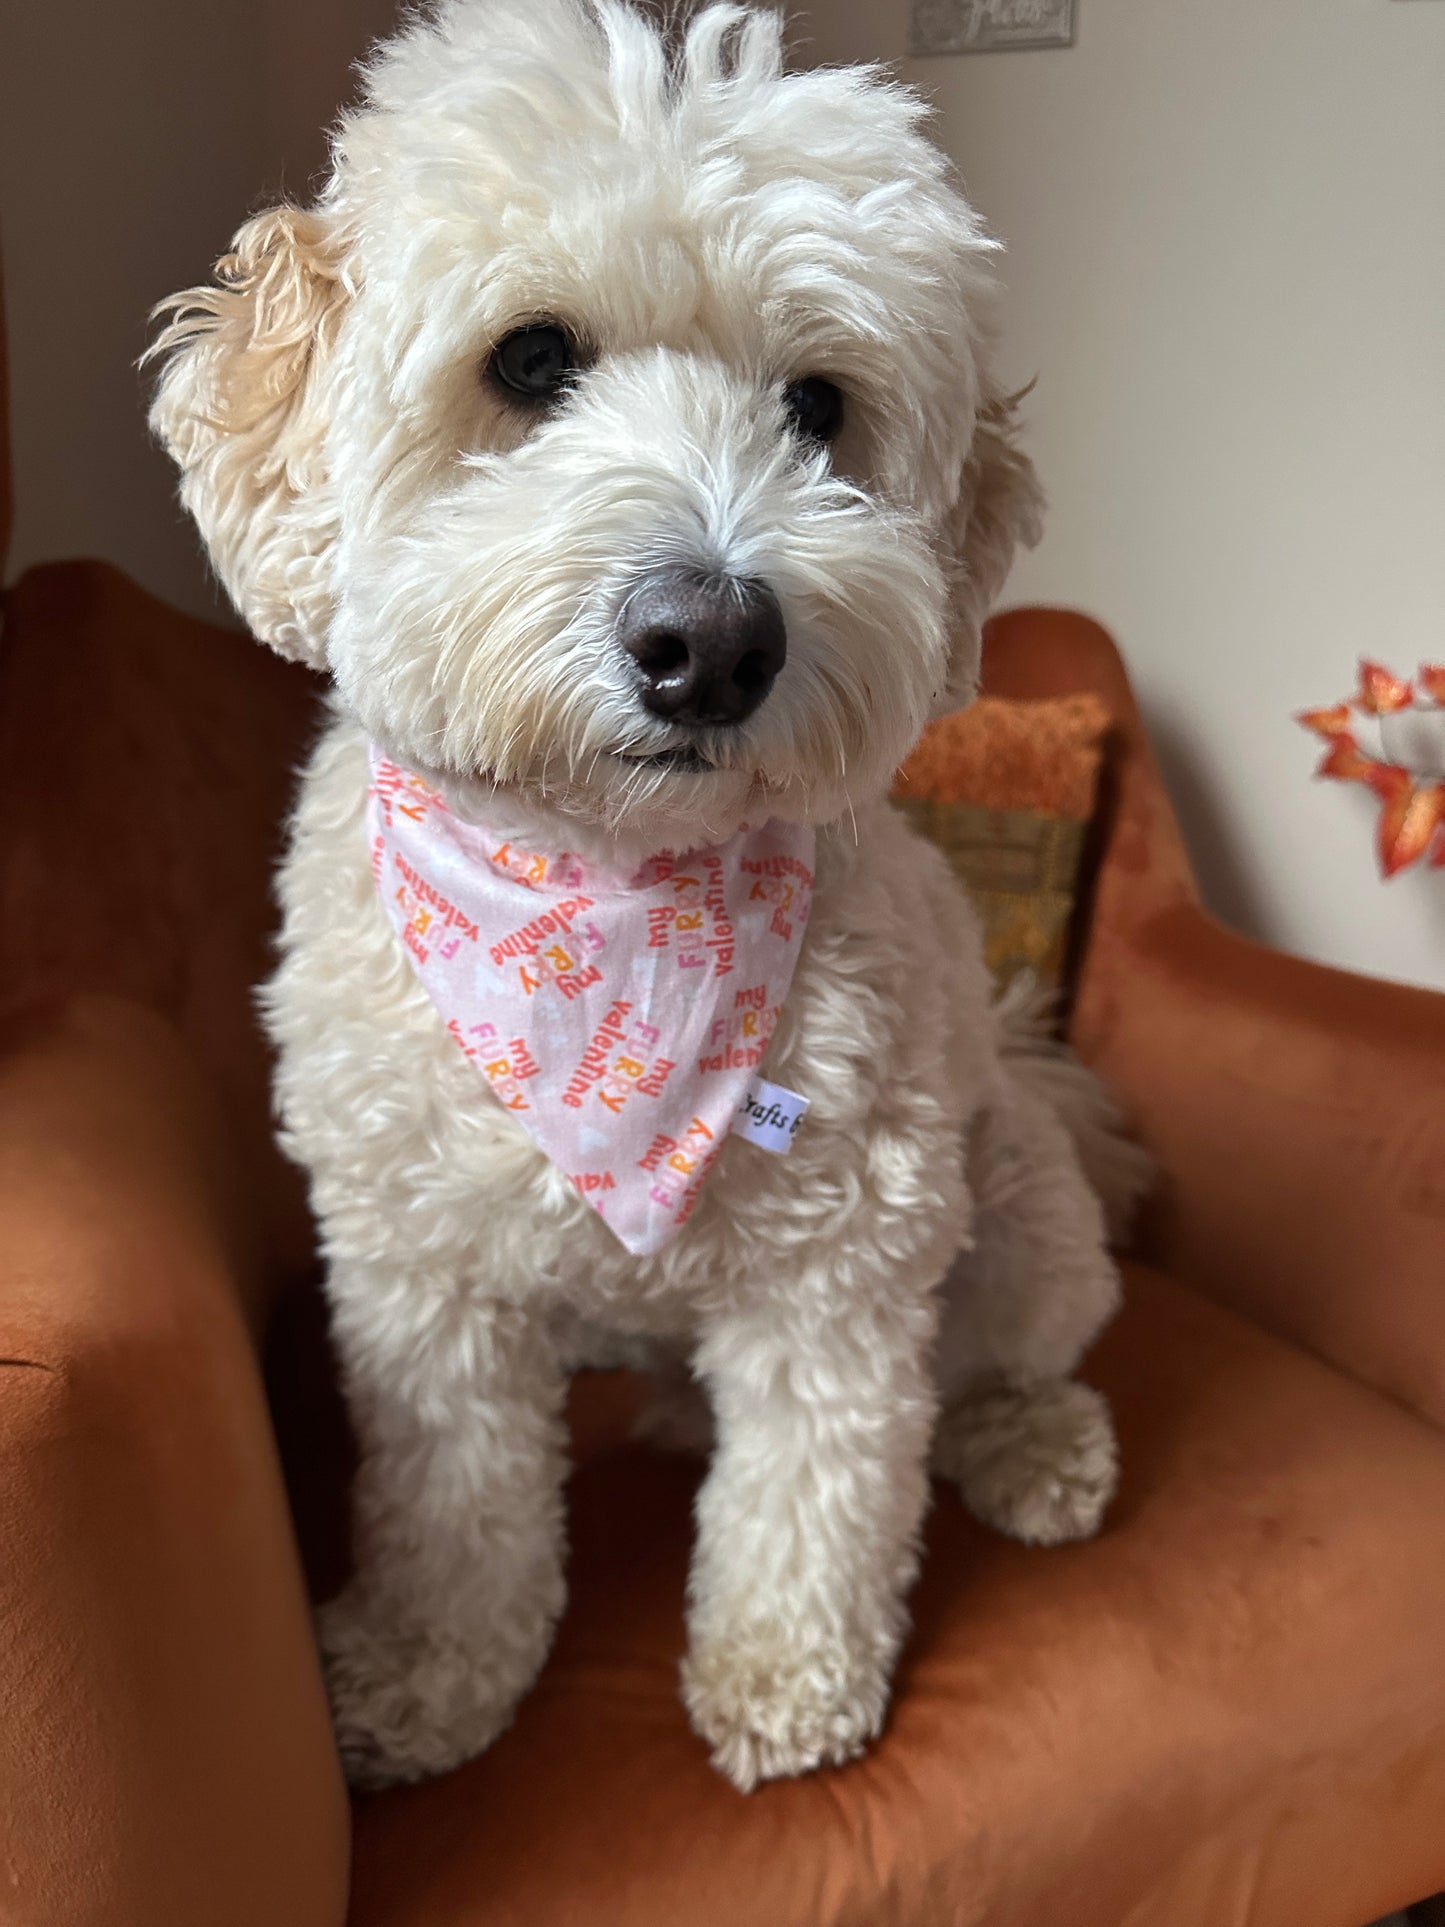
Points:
(1226, 224)
(1226, 233)
(133, 140)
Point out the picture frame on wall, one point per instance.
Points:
(990, 26)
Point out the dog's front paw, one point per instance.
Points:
(771, 1708)
(405, 1705)
(1037, 1462)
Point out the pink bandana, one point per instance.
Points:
(621, 1019)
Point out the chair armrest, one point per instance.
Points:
(1298, 1116)
(165, 1753)
(1297, 1113)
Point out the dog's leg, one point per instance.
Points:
(1031, 1450)
(458, 1523)
(807, 1524)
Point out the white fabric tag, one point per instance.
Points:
(769, 1116)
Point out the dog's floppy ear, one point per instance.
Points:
(1000, 505)
(241, 407)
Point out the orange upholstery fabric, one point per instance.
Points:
(146, 762)
(1149, 1729)
(1227, 1712)
(1303, 1144)
(165, 1753)
(7, 487)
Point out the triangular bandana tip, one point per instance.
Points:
(621, 1019)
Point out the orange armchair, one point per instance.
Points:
(1229, 1708)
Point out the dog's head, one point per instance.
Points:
(617, 426)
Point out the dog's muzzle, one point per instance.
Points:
(708, 647)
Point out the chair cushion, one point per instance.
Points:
(1226, 1708)
(1007, 790)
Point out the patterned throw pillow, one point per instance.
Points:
(1006, 789)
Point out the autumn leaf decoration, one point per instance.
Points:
(1412, 801)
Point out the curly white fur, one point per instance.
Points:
(711, 230)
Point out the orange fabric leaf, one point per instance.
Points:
(1327, 722)
(1431, 800)
(1407, 823)
(1390, 840)
(1391, 782)
(1412, 812)
(1380, 692)
(1343, 761)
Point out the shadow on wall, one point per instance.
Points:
(1219, 863)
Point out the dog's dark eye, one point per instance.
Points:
(815, 409)
(535, 362)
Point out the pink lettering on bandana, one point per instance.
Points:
(621, 1019)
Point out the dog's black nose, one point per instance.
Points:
(709, 646)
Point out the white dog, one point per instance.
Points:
(617, 430)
